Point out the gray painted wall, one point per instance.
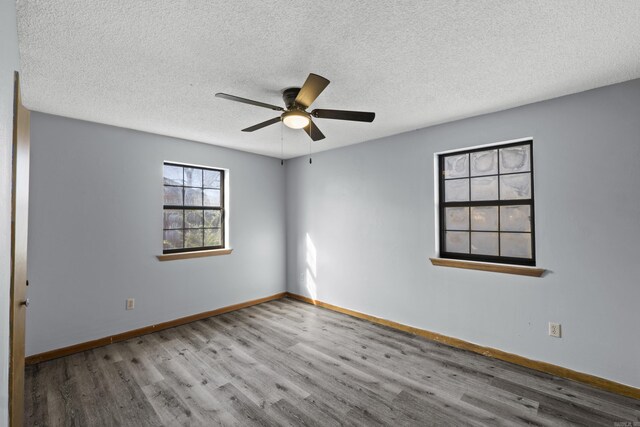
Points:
(96, 228)
(361, 227)
(8, 64)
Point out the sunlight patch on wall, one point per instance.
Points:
(311, 265)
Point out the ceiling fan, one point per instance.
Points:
(297, 100)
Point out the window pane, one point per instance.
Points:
(212, 237)
(456, 190)
(517, 245)
(484, 218)
(172, 239)
(192, 218)
(475, 185)
(484, 243)
(173, 196)
(192, 197)
(193, 238)
(457, 241)
(516, 186)
(484, 163)
(172, 218)
(456, 166)
(192, 177)
(211, 197)
(457, 218)
(212, 179)
(485, 188)
(212, 218)
(172, 175)
(515, 218)
(515, 159)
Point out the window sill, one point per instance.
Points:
(194, 254)
(486, 266)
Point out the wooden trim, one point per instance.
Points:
(537, 365)
(194, 254)
(77, 348)
(487, 266)
(19, 241)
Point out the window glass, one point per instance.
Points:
(193, 208)
(486, 204)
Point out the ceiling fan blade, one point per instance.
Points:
(312, 130)
(249, 101)
(356, 116)
(262, 125)
(312, 87)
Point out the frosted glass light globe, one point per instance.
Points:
(295, 119)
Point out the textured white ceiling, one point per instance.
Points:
(155, 65)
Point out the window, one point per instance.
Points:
(486, 204)
(194, 214)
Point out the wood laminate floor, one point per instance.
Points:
(289, 363)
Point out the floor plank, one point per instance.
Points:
(289, 363)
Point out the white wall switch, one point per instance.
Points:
(131, 303)
(554, 330)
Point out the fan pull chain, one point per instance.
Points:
(310, 159)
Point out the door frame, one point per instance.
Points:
(19, 233)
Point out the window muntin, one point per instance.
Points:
(487, 205)
(193, 217)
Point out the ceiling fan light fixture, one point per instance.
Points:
(295, 119)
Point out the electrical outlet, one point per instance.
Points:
(131, 303)
(554, 330)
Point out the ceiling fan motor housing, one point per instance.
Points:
(289, 97)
